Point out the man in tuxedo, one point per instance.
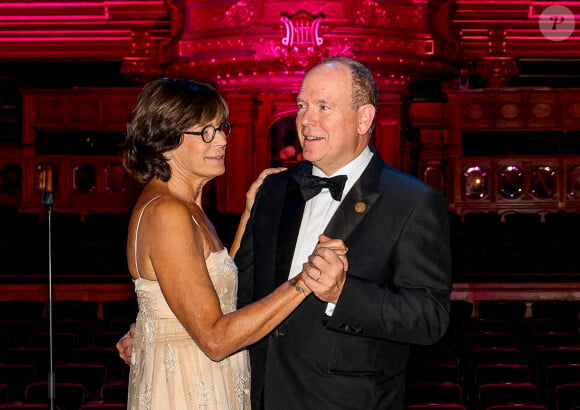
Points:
(347, 348)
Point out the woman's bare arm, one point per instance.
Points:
(250, 196)
(178, 260)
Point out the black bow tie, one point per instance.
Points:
(311, 185)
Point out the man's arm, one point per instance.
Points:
(412, 305)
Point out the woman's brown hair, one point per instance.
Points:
(166, 107)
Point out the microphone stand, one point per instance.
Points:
(47, 199)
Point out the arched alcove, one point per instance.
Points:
(285, 149)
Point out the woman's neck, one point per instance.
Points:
(185, 191)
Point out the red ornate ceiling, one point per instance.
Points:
(252, 45)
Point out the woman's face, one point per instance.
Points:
(197, 158)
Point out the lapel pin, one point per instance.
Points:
(360, 207)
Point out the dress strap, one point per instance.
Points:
(137, 231)
(194, 220)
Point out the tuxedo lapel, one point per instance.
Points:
(358, 202)
(290, 219)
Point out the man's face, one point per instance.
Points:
(326, 121)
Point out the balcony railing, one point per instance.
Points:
(538, 184)
(81, 184)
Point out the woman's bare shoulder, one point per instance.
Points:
(168, 212)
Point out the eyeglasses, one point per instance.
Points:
(208, 132)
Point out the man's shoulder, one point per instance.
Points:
(291, 174)
(392, 177)
(388, 173)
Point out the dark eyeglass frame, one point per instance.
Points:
(223, 127)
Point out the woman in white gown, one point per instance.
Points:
(190, 339)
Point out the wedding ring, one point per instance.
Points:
(319, 275)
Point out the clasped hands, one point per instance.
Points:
(324, 274)
(325, 271)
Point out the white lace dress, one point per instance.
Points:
(168, 370)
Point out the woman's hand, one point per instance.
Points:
(251, 194)
(337, 245)
(325, 271)
(250, 197)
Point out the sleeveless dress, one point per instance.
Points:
(168, 369)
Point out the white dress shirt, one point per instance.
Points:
(319, 210)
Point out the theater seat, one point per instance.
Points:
(501, 373)
(519, 407)
(107, 356)
(538, 325)
(64, 343)
(424, 393)
(566, 310)
(494, 355)
(567, 396)
(115, 392)
(4, 389)
(550, 339)
(460, 310)
(558, 374)
(422, 355)
(103, 406)
(75, 310)
(17, 376)
(478, 324)
(434, 373)
(495, 394)
(38, 357)
(490, 339)
(92, 376)
(107, 338)
(119, 314)
(22, 310)
(438, 406)
(68, 396)
(26, 406)
(513, 311)
(542, 357)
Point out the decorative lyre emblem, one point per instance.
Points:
(302, 38)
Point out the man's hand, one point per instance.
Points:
(326, 269)
(125, 345)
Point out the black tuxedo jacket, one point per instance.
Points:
(396, 293)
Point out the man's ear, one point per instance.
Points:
(365, 117)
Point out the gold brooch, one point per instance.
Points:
(360, 207)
